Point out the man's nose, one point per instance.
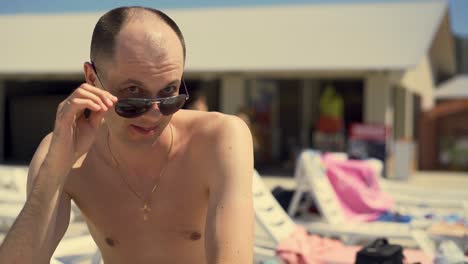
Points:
(155, 110)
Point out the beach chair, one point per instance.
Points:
(78, 249)
(273, 225)
(405, 193)
(13, 183)
(309, 172)
(9, 211)
(13, 193)
(317, 185)
(75, 247)
(8, 214)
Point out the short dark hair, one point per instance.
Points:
(111, 23)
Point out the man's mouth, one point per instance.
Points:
(144, 130)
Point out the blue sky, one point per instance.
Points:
(458, 8)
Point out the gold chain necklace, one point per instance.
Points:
(146, 202)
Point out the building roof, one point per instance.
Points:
(455, 88)
(447, 108)
(366, 36)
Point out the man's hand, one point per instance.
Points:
(74, 133)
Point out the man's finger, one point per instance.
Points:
(96, 118)
(73, 106)
(82, 93)
(79, 104)
(106, 97)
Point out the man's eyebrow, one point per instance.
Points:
(140, 84)
(172, 83)
(132, 81)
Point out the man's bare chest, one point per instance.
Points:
(175, 210)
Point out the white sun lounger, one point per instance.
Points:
(318, 186)
(406, 193)
(10, 211)
(15, 176)
(8, 214)
(13, 183)
(75, 247)
(308, 172)
(13, 193)
(273, 225)
(79, 249)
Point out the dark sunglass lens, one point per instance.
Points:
(171, 105)
(130, 108)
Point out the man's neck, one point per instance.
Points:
(140, 157)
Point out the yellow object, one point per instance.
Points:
(331, 103)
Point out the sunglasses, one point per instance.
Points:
(135, 107)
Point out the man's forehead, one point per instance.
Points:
(148, 39)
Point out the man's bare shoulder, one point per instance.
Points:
(212, 126)
(214, 138)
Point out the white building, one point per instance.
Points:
(385, 58)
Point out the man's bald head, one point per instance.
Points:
(103, 42)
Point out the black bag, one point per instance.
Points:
(380, 252)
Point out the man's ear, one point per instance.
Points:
(90, 73)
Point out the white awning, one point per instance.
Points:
(455, 88)
(365, 36)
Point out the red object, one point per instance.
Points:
(329, 125)
(368, 132)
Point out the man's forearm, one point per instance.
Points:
(35, 224)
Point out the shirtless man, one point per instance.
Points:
(155, 185)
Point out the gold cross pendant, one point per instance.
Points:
(145, 210)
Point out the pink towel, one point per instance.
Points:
(357, 188)
(302, 248)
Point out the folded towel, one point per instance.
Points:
(303, 248)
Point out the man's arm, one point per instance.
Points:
(44, 218)
(229, 224)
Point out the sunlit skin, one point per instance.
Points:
(147, 64)
(201, 210)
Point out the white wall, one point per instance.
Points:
(377, 99)
(232, 94)
(385, 104)
(2, 121)
(420, 80)
(404, 115)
